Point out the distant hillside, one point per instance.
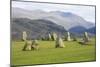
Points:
(92, 30)
(35, 28)
(78, 29)
(66, 19)
(38, 23)
(81, 30)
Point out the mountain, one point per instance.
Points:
(78, 29)
(66, 19)
(69, 20)
(35, 28)
(22, 13)
(92, 30)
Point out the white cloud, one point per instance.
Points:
(87, 12)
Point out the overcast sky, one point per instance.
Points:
(87, 12)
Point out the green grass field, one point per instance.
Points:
(47, 53)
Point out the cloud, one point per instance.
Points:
(87, 12)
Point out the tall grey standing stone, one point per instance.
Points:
(54, 36)
(24, 36)
(59, 43)
(68, 36)
(27, 45)
(49, 36)
(86, 37)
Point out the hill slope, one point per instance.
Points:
(65, 19)
(35, 28)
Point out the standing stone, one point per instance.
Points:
(59, 43)
(54, 36)
(68, 36)
(27, 45)
(86, 38)
(24, 36)
(35, 45)
(49, 36)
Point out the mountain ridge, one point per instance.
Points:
(69, 21)
(34, 28)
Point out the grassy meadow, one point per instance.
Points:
(47, 53)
